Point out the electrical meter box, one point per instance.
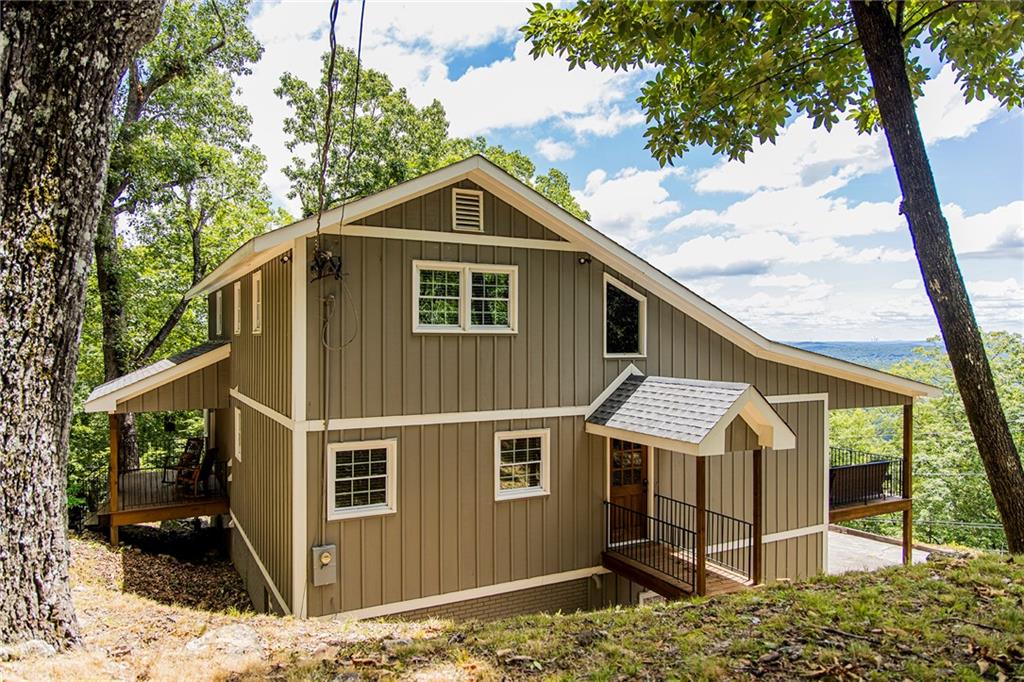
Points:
(325, 565)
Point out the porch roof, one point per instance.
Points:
(195, 362)
(687, 415)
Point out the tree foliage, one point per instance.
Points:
(950, 485)
(727, 74)
(394, 140)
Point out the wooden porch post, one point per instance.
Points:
(115, 441)
(908, 482)
(757, 570)
(702, 533)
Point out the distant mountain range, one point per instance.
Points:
(877, 354)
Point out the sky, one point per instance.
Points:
(802, 242)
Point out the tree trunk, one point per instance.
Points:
(59, 66)
(883, 49)
(116, 362)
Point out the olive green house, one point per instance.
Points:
(458, 399)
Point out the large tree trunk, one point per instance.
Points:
(883, 49)
(59, 66)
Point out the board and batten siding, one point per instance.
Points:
(448, 533)
(261, 363)
(204, 389)
(260, 491)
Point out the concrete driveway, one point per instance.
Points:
(854, 553)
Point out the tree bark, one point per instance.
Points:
(886, 60)
(59, 66)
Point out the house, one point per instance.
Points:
(495, 409)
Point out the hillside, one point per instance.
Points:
(955, 617)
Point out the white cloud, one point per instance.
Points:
(624, 205)
(603, 123)
(553, 150)
(998, 304)
(999, 233)
(795, 281)
(907, 284)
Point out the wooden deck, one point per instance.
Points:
(858, 510)
(151, 495)
(718, 581)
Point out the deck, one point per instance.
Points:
(670, 562)
(146, 495)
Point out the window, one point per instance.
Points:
(237, 307)
(467, 210)
(218, 306)
(257, 302)
(521, 463)
(238, 434)
(457, 298)
(361, 480)
(625, 320)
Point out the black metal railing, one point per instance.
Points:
(857, 477)
(728, 542)
(155, 486)
(655, 543)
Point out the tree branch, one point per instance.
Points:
(910, 29)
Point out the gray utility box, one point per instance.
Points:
(325, 565)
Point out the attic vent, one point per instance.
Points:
(467, 210)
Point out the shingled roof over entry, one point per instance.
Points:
(667, 412)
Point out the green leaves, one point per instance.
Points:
(727, 74)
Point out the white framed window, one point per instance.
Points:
(238, 433)
(625, 320)
(465, 298)
(257, 302)
(467, 210)
(218, 308)
(521, 463)
(236, 300)
(361, 478)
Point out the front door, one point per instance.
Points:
(628, 491)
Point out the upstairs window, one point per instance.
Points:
(362, 478)
(257, 302)
(467, 210)
(625, 320)
(464, 298)
(521, 463)
(237, 307)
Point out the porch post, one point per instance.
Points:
(908, 483)
(702, 533)
(757, 553)
(115, 441)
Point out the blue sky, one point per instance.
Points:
(802, 242)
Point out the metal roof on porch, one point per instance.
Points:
(687, 415)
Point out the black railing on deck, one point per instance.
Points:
(656, 543)
(728, 538)
(857, 477)
(155, 486)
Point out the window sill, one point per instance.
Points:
(360, 512)
(482, 331)
(521, 494)
(626, 356)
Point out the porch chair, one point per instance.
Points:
(199, 475)
(188, 461)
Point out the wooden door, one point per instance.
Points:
(628, 490)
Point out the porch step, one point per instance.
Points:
(666, 586)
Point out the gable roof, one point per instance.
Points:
(584, 237)
(687, 415)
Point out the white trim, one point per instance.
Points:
(545, 465)
(107, 402)
(631, 370)
(218, 305)
(479, 196)
(259, 564)
(257, 302)
(642, 322)
(442, 418)
(390, 505)
(299, 481)
(236, 307)
(466, 271)
(409, 234)
(794, 533)
(237, 418)
(796, 398)
(465, 595)
(489, 176)
(261, 408)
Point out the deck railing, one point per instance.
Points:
(857, 477)
(728, 538)
(655, 543)
(154, 486)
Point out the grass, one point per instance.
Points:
(960, 618)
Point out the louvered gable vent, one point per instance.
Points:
(467, 210)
